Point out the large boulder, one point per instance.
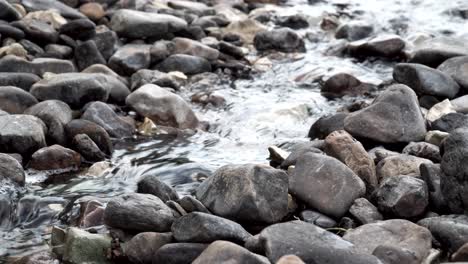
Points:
(163, 107)
(11, 169)
(450, 230)
(425, 81)
(75, 89)
(136, 24)
(325, 184)
(283, 39)
(400, 234)
(138, 212)
(250, 193)
(227, 252)
(15, 100)
(206, 228)
(37, 66)
(103, 115)
(393, 117)
(23, 134)
(55, 157)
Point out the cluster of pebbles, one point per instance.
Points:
(382, 182)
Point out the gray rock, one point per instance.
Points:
(162, 107)
(130, 58)
(79, 29)
(75, 89)
(187, 64)
(64, 10)
(364, 211)
(251, 193)
(317, 219)
(283, 39)
(381, 46)
(450, 230)
(23, 134)
(87, 148)
(206, 228)
(141, 248)
(325, 184)
(138, 212)
(402, 196)
(457, 68)
(58, 51)
(327, 124)
(87, 54)
(343, 84)
(93, 130)
(197, 8)
(178, 253)
(8, 12)
(354, 30)
(423, 150)
(11, 169)
(393, 117)
(450, 122)
(37, 31)
(55, 114)
(152, 185)
(227, 252)
(18, 79)
(399, 164)
(83, 247)
(162, 79)
(55, 157)
(136, 24)
(401, 234)
(190, 204)
(433, 52)
(11, 63)
(101, 114)
(8, 31)
(431, 174)
(15, 100)
(106, 41)
(194, 48)
(425, 81)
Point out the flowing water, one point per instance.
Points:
(270, 108)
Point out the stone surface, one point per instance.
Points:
(327, 124)
(23, 134)
(15, 100)
(251, 193)
(37, 66)
(99, 136)
(317, 219)
(431, 174)
(326, 184)
(282, 39)
(399, 164)
(383, 45)
(87, 148)
(450, 230)
(434, 51)
(187, 64)
(227, 252)
(54, 157)
(152, 185)
(343, 84)
(8, 12)
(457, 68)
(87, 54)
(450, 122)
(161, 79)
(11, 169)
(393, 117)
(178, 253)
(20, 80)
(423, 150)
(439, 109)
(141, 248)
(64, 10)
(365, 212)
(130, 58)
(103, 115)
(354, 30)
(194, 48)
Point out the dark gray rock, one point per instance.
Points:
(8, 12)
(15, 100)
(325, 184)
(20, 80)
(55, 114)
(87, 148)
(79, 29)
(283, 39)
(431, 174)
(433, 52)
(93, 130)
(327, 124)
(191, 204)
(206, 228)
(101, 114)
(160, 50)
(365, 212)
(423, 150)
(55, 157)
(178, 253)
(141, 248)
(58, 51)
(130, 58)
(299, 150)
(194, 48)
(8, 31)
(393, 117)
(11, 169)
(227, 252)
(251, 193)
(317, 219)
(450, 230)
(425, 81)
(450, 122)
(38, 67)
(343, 84)
(106, 41)
(354, 30)
(87, 54)
(187, 64)
(162, 79)
(402, 196)
(399, 164)
(294, 21)
(138, 212)
(23, 134)
(152, 185)
(37, 31)
(64, 10)
(381, 46)
(457, 68)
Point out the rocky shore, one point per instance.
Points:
(383, 180)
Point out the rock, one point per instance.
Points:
(87, 54)
(325, 184)
(386, 121)
(100, 68)
(55, 114)
(187, 64)
(460, 104)
(227, 252)
(436, 137)
(190, 204)
(32, 49)
(101, 114)
(75, 89)
(431, 174)
(450, 230)
(58, 51)
(8, 31)
(309, 242)
(344, 147)
(192, 7)
(162, 79)
(140, 248)
(381, 46)
(365, 212)
(178, 253)
(87, 148)
(343, 84)
(93, 11)
(136, 24)
(38, 67)
(425, 80)
(15, 100)
(54, 157)
(397, 233)
(162, 107)
(13, 49)
(246, 193)
(83, 247)
(11, 169)
(138, 212)
(49, 16)
(402, 196)
(450, 122)
(152, 185)
(317, 219)
(290, 259)
(8, 12)
(439, 110)
(433, 52)
(461, 255)
(20, 80)
(99, 136)
(37, 31)
(354, 30)
(194, 48)
(107, 41)
(400, 164)
(423, 150)
(130, 58)
(91, 214)
(23, 134)
(283, 39)
(81, 29)
(300, 149)
(457, 68)
(326, 125)
(64, 10)
(206, 228)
